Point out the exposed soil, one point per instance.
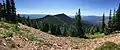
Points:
(52, 42)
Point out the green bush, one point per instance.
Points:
(8, 30)
(9, 34)
(109, 46)
(4, 25)
(96, 35)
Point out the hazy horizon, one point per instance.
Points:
(60, 13)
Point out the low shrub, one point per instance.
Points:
(96, 35)
(109, 46)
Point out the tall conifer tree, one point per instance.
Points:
(110, 16)
(103, 22)
(4, 10)
(117, 20)
(8, 10)
(13, 10)
(0, 10)
(78, 23)
(114, 15)
(110, 19)
(109, 27)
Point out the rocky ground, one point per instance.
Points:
(51, 42)
(71, 43)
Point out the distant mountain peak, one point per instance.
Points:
(57, 19)
(61, 15)
(48, 15)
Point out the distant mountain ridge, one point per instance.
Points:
(33, 16)
(63, 18)
(59, 19)
(94, 19)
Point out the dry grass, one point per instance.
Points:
(26, 38)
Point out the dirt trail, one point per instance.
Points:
(69, 43)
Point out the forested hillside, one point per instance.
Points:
(59, 19)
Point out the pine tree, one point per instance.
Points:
(45, 28)
(65, 32)
(114, 15)
(28, 18)
(91, 30)
(117, 20)
(23, 20)
(13, 10)
(28, 21)
(78, 24)
(109, 27)
(103, 22)
(8, 10)
(113, 24)
(110, 21)
(4, 10)
(31, 24)
(1, 10)
(58, 31)
(37, 24)
(97, 29)
(110, 16)
(19, 18)
(71, 31)
(53, 29)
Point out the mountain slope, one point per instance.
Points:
(59, 19)
(16, 37)
(95, 20)
(65, 18)
(71, 43)
(52, 20)
(21, 37)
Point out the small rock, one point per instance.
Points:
(26, 39)
(4, 44)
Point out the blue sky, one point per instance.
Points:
(69, 7)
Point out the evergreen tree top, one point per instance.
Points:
(79, 12)
(114, 11)
(3, 2)
(110, 12)
(110, 15)
(0, 5)
(118, 8)
(103, 14)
